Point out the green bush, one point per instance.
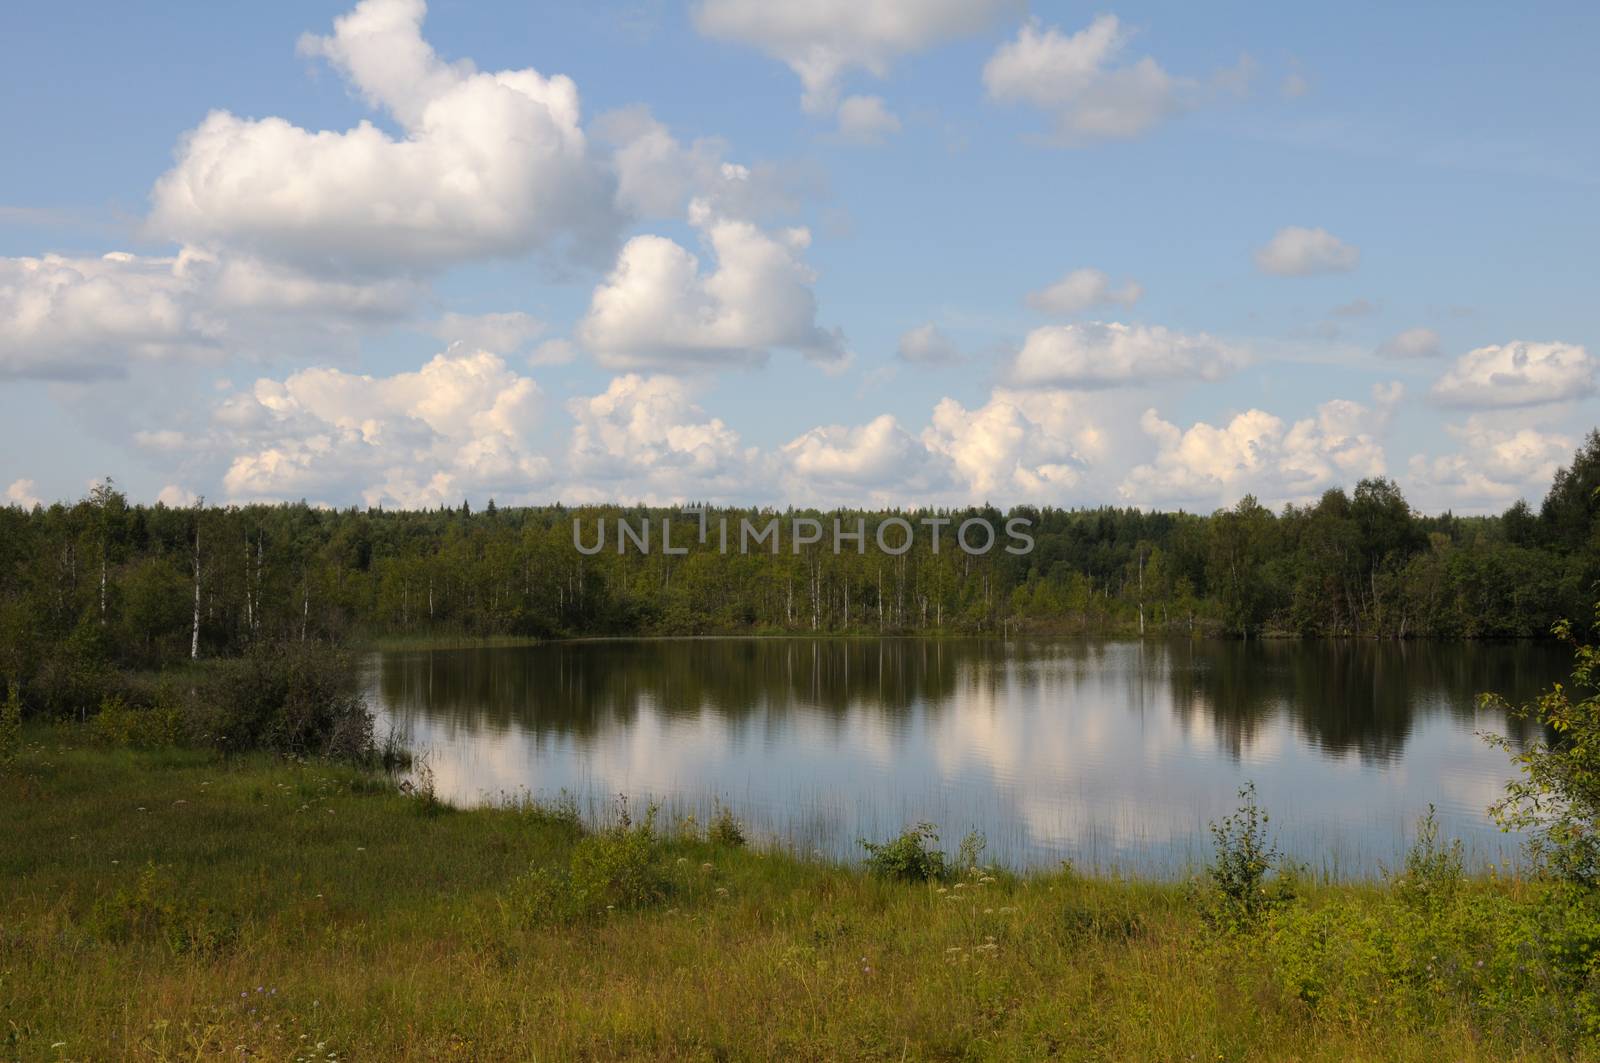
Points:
(1525, 964)
(1237, 892)
(914, 856)
(1523, 968)
(291, 698)
(1433, 872)
(118, 723)
(618, 868)
(74, 674)
(1557, 799)
(1570, 923)
(541, 896)
(724, 829)
(971, 851)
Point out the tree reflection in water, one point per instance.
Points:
(1038, 740)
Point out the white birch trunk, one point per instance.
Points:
(194, 635)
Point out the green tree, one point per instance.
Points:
(1571, 511)
(1238, 545)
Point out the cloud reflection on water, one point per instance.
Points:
(1106, 752)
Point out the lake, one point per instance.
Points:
(1114, 754)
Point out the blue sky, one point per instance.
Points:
(763, 252)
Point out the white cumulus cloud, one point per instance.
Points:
(821, 40)
(658, 309)
(73, 318)
(1021, 445)
(1518, 373)
(1257, 453)
(877, 463)
(1082, 289)
(21, 493)
(176, 497)
(1494, 467)
(1098, 355)
(1412, 343)
(1295, 251)
(486, 165)
(1076, 78)
(927, 345)
(658, 175)
(460, 424)
(645, 439)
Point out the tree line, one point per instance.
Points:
(143, 587)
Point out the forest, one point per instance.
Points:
(105, 583)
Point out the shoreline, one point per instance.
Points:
(165, 901)
(387, 643)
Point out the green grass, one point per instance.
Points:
(167, 905)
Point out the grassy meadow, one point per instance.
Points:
(164, 904)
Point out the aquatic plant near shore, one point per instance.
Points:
(912, 857)
(725, 829)
(619, 867)
(1238, 892)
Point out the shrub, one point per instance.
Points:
(1433, 872)
(294, 699)
(542, 896)
(912, 857)
(725, 829)
(74, 675)
(1523, 964)
(1571, 951)
(120, 724)
(971, 851)
(617, 868)
(1522, 968)
(1238, 893)
(1557, 799)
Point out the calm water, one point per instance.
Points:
(1114, 754)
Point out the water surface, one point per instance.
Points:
(1114, 754)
